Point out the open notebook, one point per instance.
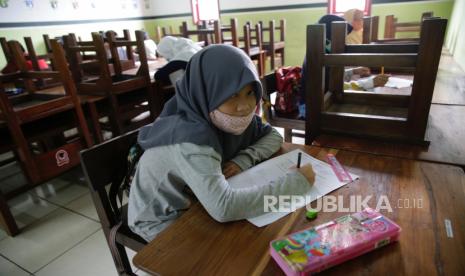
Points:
(325, 180)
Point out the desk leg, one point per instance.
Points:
(95, 122)
(7, 221)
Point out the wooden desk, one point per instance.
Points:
(197, 244)
(154, 65)
(445, 132)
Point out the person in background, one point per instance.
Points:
(177, 51)
(207, 133)
(11, 67)
(355, 18)
(150, 47)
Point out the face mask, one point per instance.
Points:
(232, 124)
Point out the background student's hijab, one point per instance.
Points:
(177, 48)
(212, 76)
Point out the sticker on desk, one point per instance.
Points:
(449, 232)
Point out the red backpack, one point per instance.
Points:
(288, 86)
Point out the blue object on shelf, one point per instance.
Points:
(14, 91)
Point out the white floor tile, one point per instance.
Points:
(3, 234)
(90, 257)
(131, 255)
(142, 273)
(60, 191)
(10, 269)
(85, 206)
(28, 208)
(9, 170)
(11, 179)
(46, 239)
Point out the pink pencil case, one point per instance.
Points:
(318, 248)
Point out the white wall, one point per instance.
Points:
(163, 7)
(42, 10)
(455, 41)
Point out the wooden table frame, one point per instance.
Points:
(197, 244)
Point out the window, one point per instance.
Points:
(205, 10)
(338, 7)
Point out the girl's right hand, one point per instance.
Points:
(380, 80)
(308, 173)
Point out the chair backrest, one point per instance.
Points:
(169, 31)
(272, 38)
(103, 165)
(30, 75)
(122, 62)
(252, 37)
(76, 52)
(392, 26)
(29, 108)
(5, 49)
(371, 31)
(220, 32)
(110, 37)
(102, 65)
(207, 35)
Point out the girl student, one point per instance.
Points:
(206, 133)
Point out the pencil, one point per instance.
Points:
(382, 70)
(299, 158)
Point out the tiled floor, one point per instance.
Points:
(60, 229)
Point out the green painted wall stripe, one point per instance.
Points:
(270, 8)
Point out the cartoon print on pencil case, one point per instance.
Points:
(311, 243)
(377, 225)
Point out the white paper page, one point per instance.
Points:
(325, 179)
(398, 82)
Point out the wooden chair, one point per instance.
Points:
(274, 47)
(6, 50)
(103, 165)
(380, 116)
(371, 36)
(220, 31)
(127, 60)
(392, 27)
(35, 118)
(165, 31)
(289, 122)
(207, 35)
(158, 34)
(255, 49)
(127, 95)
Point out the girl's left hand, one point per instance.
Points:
(362, 71)
(230, 169)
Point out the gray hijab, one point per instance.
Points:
(212, 76)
